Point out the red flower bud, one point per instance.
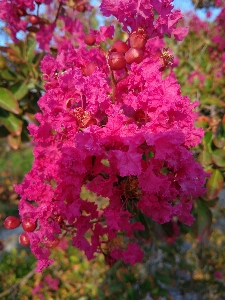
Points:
(24, 239)
(28, 225)
(33, 19)
(89, 39)
(117, 61)
(80, 7)
(11, 222)
(138, 39)
(134, 55)
(119, 46)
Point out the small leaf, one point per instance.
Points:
(208, 83)
(211, 100)
(203, 220)
(11, 122)
(214, 184)
(205, 158)
(31, 44)
(14, 141)
(8, 75)
(207, 141)
(8, 101)
(219, 143)
(218, 157)
(24, 69)
(19, 89)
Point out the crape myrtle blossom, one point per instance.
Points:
(121, 129)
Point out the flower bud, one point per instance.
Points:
(134, 55)
(89, 39)
(138, 39)
(117, 61)
(33, 19)
(119, 46)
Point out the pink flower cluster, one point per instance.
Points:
(123, 134)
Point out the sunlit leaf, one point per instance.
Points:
(8, 101)
(14, 141)
(218, 157)
(214, 184)
(205, 158)
(207, 141)
(19, 89)
(31, 44)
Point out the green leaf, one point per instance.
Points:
(214, 184)
(211, 100)
(207, 141)
(8, 101)
(11, 122)
(8, 75)
(203, 220)
(208, 83)
(24, 69)
(218, 157)
(31, 44)
(163, 278)
(19, 89)
(205, 158)
(219, 142)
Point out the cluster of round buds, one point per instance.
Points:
(28, 225)
(122, 53)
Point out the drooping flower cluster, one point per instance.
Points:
(110, 122)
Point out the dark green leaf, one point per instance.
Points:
(203, 220)
(25, 69)
(31, 44)
(3, 132)
(11, 122)
(8, 75)
(8, 101)
(19, 89)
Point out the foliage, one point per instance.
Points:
(21, 86)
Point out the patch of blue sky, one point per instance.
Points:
(187, 5)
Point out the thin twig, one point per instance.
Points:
(58, 11)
